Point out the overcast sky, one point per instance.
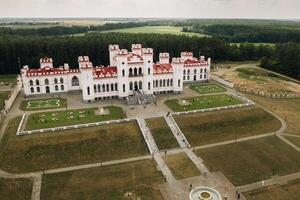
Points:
(279, 9)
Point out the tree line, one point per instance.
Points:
(17, 51)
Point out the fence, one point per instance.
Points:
(222, 81)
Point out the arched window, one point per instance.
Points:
(130, 86)
(99, 88)
(200, 76)
(178, 82)
(46, 81)
(37, 82)
(32, 90)
(164, 82)
(38, 89)
(140, 71)
(149, 86)
(95, 88)
(188, 77)
(107, 87)
(204, 76)
(31, 83)
(47, 89)
(201, 70)
(171, 82)
(123, 72)
(75, 81)
(135, 71)
(149, 71)
(112, 87)
(188, 71)
(130, 71)
(62, 87)
(168, 82)
(184, 78)
(88, 91)
(156, 83)
(195, 71)
(140, 85)
(61, 80)
(116, 86)
(205, 70)
(56, 88)
(103, 88)
(184, 71)
(55, 81)
(153, 83)
(124, 89)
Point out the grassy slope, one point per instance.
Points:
(253, 160)
(109, 182)
(162, 133)
(212, 127)
(68, 148)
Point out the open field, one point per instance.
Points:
(295, 140)
(15, 189)
(181, 166)
(115, 182)
(259, 80)
(156, 29)
(217, 126)
(40, 104)
(206, 88)
(288, 109)
(71, 117)
(8, 79)
(252, 160)
(162, 133)
(256, 44)
(289, 191)
(3, 96)
(201, 102)
(69, 148)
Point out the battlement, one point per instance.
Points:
(46, 60)
(177, 60)
(186, 53)
(83, 59)
(147, 51)
(164, 55)
(123, 52)
(114, 47)
(136, 46)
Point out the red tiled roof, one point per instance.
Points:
(135, 56)
(162, 68)
(104, 72)
(195, 62)
(46, 71)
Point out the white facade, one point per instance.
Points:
(128, 72)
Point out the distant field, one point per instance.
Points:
(156, 29)
(8, 79)
(218, 126)
(252, 160)
(3, 96)
(68, 148)
(15, 189)
(134, 180)
(256, 44)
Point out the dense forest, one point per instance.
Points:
(284, 60)
(66, 49)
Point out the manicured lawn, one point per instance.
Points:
(206, 88)
(40, 104)
(15, 189)
(252, 160)
(71, 117)
(68, 148)
(201, 102)
(140, 179)
(3, 96)
(156, 29)
(290, 191)
(8, 79)
(218, 126)
(181, 166)
(162, 133)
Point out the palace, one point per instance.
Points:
(128, 72)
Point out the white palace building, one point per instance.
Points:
(128, 72)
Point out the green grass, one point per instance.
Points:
(295, 140)
(3, 97)
(207, 88)
(71, 117)
(202, 102)
(141, 179)
(252, 160)
(181, 166)
(15, 189)
(291, 191)
(156, 29)
(42, 104)
(218, 126)
(162, 133)
(256, 44)
(8, 79)
(21, 154)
